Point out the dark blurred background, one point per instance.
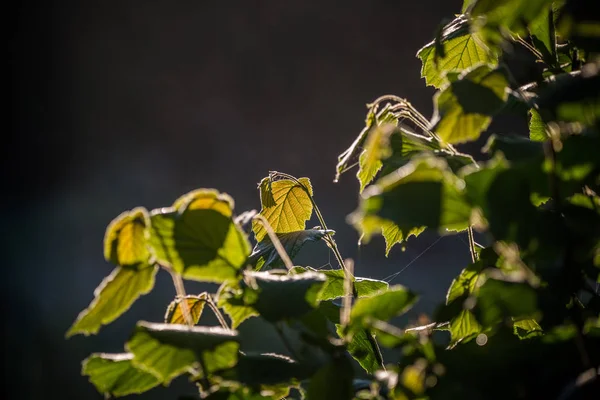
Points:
(116, 104)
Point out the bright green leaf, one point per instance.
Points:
(464, 108)
(376, 149)
(113, 297)
(537, 128)
(464, 284)
(527, 328)
(231, 298)
(293, 207)
(462, 49)
(199, 239)
(168, 350)
(265, 255)
(463, 327)
(334, 285)
(115, 376)
(360, 349)
(195, 306)
(383, 306)
(125, 238)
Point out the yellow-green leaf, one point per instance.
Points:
(537, 128)
(113, 297)
(195, 304)
(376, 149)
(293, 207)
(125, 238)
(464, 108)
(463, 327)
(527, 328)
(462, 49)
(115, 376)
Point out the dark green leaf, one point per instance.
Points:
(115, 376)
(199, 239)
(265, 254)
(464, 108)
(195, 306)
(360, 349)
(284, 296)
(334, 285)
(235, 301)
(267, 369)
(125, 238)
(422, 193)
(332, 382)
(463, 49)
(168, 350)
(113, 297)
(498, 300)
(383, 306)
(292, 207)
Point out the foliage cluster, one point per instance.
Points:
(520, 321)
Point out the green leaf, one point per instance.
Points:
(376, 149)
(125, 238)
(332, 382)
(537, 127)
(334, 285)
(168, 350)
(267, 369)
(265, 255)
(195, 305)
(284, 296)
(464, 108)
(463, 327)
(231, 300)
(527, 328)
(498, 300)
(383, 306)
(369, 225)
(360, 349)
(464, 284)
(541, 30)
(199, 239)
(293, 207)
(113, 297)
(462, 49)
(114, 375)
(423, 193)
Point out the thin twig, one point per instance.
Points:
(180, 290)
(275, 240)
(217, 312)
(472, 244)
(348, 295)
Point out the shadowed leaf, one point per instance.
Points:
(361, 349)
(383, 306)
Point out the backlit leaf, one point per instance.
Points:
(462, 50)
(382, 306)
(293, 207)
(199, 239)
(464, 108)
(333, 288)
(115, 376)
(265, 255)
(125, 240)
(527, 328)
(361, 349)
(376, 149)
(195, 304)
(234, 301)
(168, 350)
(537, 128)
(464, 283)
(463, 327)
(113, 297)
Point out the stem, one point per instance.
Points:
(472, 244)
(217, 312)
(180, 290)
(275, 240)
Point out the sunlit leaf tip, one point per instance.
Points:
(125, 240)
